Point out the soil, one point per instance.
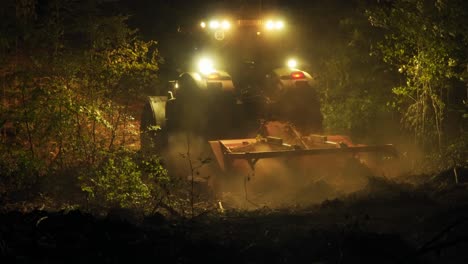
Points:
(387, 222)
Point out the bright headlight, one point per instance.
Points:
(274, 25)
(270, 25)
(206, 65)
(226, 25)
(292, 63)
(214, 24)
(279, 25)
(203, 25)
(217, 24)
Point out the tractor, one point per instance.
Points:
(254, 118)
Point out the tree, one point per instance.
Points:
(70, 75)
(427, 41)
(354, 84)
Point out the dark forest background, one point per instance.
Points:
(73, 75)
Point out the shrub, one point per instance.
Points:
(117, 181)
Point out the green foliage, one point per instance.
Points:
(18, 171)
(155, 173)
(354, 86)
(398, 61)
(454, 155)
(69, 82)
(117, 182)
(426, 41)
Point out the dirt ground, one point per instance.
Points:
(386, 222)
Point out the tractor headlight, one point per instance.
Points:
(279, 25)
(292, 63)
(206, 66)
(271, 25)
(226, 25)
(217, 24)
(214, 24)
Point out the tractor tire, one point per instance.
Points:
(153, 131)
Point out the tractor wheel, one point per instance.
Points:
(153, 136)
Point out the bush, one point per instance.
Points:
(19, 171)
(121, 180)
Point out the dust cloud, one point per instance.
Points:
(294, 182)
(272, 183)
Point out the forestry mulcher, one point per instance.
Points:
(260, 125)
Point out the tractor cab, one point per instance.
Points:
(248, 47)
